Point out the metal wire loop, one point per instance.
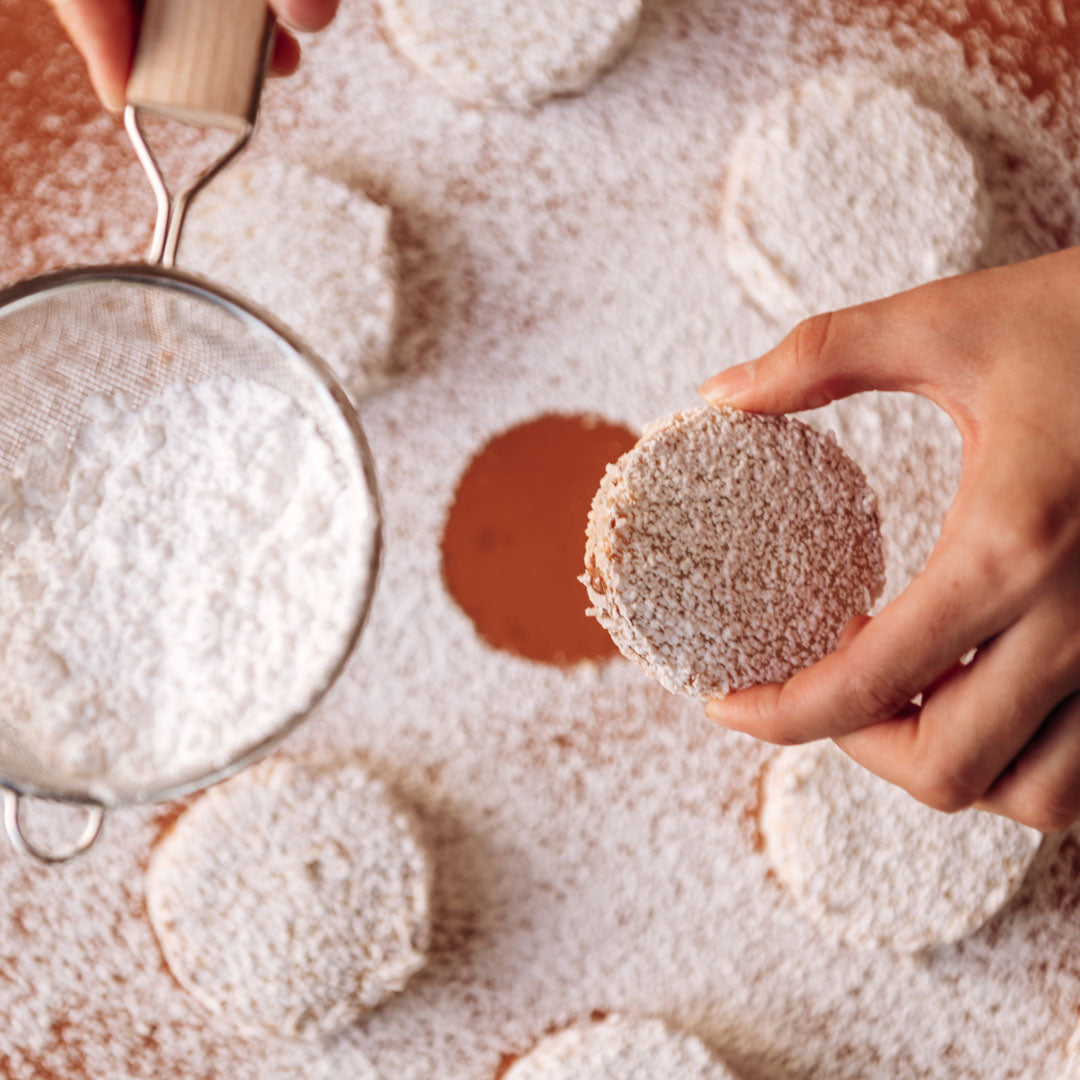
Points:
(95, 817)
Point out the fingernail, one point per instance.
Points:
(714, 710)
(726, 388)
(110, 94)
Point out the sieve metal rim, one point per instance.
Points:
(23, 293)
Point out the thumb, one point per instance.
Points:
(825, 357)
(104, 33)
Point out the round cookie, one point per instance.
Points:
(292, 898)
(489, 52)
(843, 190)
(874, 867)
(313, 252)
(729, 549)
(619, 1048)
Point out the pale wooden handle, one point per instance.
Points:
(200, 60)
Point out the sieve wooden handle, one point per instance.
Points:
(201, 61)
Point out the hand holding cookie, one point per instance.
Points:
(997, 350)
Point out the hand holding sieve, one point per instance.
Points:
(136, 328)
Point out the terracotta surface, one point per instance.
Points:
(1031, 44)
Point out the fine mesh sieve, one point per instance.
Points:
(139, 328)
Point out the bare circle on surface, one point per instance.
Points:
(511, 546)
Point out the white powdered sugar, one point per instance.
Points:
(292, 898)
(489, 52)
(836, 150)
(619, 1048)
(729, 549)
(1071, 1070)
(174, 585)
(595, 841)
(874, 867)
(314, 253)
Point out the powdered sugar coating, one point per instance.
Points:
(729, 549)
(877, 869)
(594, 838)
(313, 252)
(175, 585)
(619, 1048)
(835, 152)
(292, 898)
(490, 52)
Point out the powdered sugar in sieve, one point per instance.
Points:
(173, 583)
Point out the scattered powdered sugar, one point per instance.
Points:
(174, 585)
(838, 149)
(312, 252)
(619, 1048)
(594, 840)
(292, 898)
(729, 549)
(489, 52)
(875, 867)
(1071, 1070)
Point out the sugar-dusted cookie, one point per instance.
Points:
(876, 868)
(489, 52)
(619, 1048)
(313, 252)
(846, 189)
(729, 549)
(292, 898)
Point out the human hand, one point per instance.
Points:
(104, 32)
(1000, 351)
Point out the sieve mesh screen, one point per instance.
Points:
(69, 336)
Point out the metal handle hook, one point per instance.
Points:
(172, 209)
(95, 816)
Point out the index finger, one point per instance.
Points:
(943, 613)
